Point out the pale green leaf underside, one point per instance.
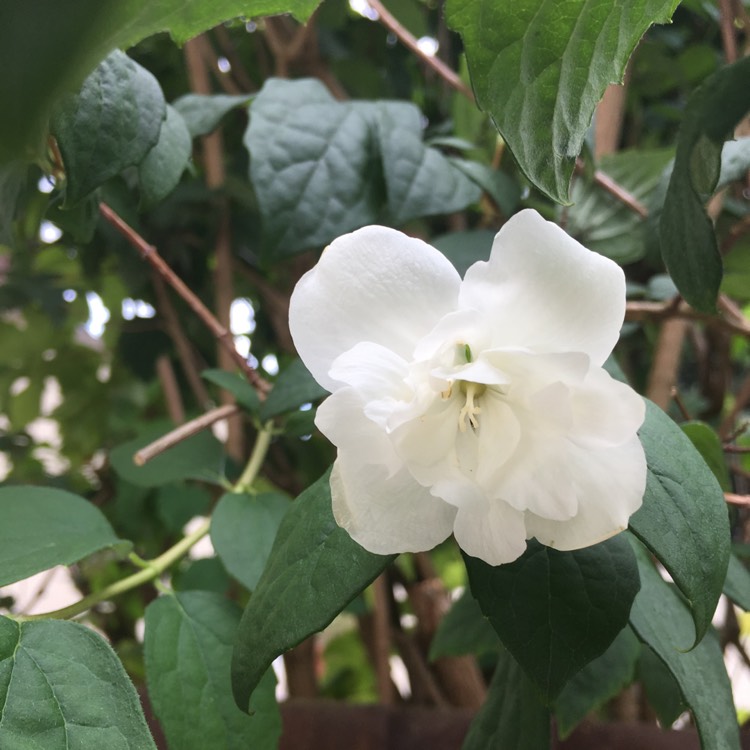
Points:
(62, 687)
(540, 68)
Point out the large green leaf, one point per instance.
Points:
(312, 163)
(661, 689)
(160, 171)
(112, 123)
(683, 519)
(12, 179)
(419, 180)
(661, 620)
(43, 527)
(62, 687)
(321, 168)
(686, 233)
(557, 611)
(199, 457)
(597, 682)
(314, 571)
(243, 528)
(47, 47)
(539, 68)
(237, 385)
(512, 715)
(188, 649)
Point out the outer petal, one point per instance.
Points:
(342, 420)
(387, 514)
(610, 486)
(605, 411)
(542, 290)
(375, 284)
(497, 536)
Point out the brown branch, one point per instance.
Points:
(641, 311)
(183, 432)
(733, 499)
(381, 637)
(180, 341)
(606, 183)
(220, 332)
(666, 363)
(728, 39)
(410, 41)
(171, 390)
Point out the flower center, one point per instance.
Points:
(470, 410)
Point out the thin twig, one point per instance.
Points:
(677, 398)
(183, 432)
(733, 499)
(410, 41)
(150, 254)
(606, 183)
(170, 388)
(640, 311)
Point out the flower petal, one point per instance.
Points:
(605, 411)
(342, 420)
(542, 290)
(375, 284)
(498, 536)
(384, 514)
(610, 483)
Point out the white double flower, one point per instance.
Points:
(475, 407)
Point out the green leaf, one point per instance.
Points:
(188, 649)
(512, 715)
(707, 443)
(601, 222)
(686, 233)
(683, 519)
(557, 611)
(661, 688)
(160, 171)
(312, 164)
(203, 113)
(661, 620)
(237, 385)
(502, 188)
(465, 248)
(315, 569)
(539, 69)
(419, 180)
(199, 457)
(737, 584)
(464, 630)
(43, 527)
(243, 528)
(62, 687)
(112, 123)
(48, 47)
(598, 682)
(293, 388)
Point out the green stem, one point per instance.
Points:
(152, 569)
(256, 458)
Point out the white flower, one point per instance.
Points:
(477, 407)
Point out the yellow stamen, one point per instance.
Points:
(470, 409)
